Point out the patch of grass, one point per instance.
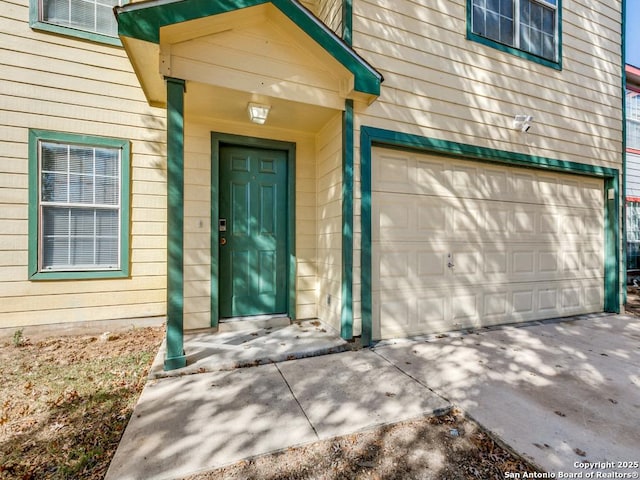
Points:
(68, 401)
(18, 339)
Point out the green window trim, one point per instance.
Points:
(374, 137)
(36, 24)
(557, 65)
(35, 137)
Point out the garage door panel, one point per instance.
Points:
(422, 264)
(399, 172)
(460, 244)
(404, 217)
(440, 309)
(592, 193)
(431, 264)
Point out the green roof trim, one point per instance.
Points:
(143, 21)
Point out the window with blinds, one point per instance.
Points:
(95, 16)
(79, 207)
(633, 119)
(528, 25)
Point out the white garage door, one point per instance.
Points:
(460, 244)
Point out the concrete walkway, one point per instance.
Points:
(559, 393)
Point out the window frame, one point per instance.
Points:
(631, 205)
(557, 64)
(35, 272)
(628, 118)
(37, 24)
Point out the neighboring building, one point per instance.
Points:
(633, 170)
(423, 167)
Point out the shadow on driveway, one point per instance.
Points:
(557, 392)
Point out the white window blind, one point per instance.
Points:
(633, 119)
(79, 207)
(89, 15)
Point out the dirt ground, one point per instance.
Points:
(65, 402)
(632, 306)
(445, 447)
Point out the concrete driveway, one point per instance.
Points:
(563, 394)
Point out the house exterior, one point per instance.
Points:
(423, 166)
(632, 192)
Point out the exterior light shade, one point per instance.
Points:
(258, 113)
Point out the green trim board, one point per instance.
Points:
(35, 136)
(612, 245)
(218, 139)
(175, 356)
(346, 313)
(624, 148)
(36, 24)
(347, 21)
(370, 137)
(516, 51)
(144, 20)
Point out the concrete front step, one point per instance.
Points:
(239, 324)
(211, 350)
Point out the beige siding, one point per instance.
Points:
(197, 225)
(329, 207)
(56, 83)
(357, 232)
(330, 12)
(439, 84)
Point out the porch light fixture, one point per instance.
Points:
(258, 113)
(522, 122)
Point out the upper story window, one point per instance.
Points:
(90, 19)
(633, 119)
(527, 28)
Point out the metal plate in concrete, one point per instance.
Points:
(352, 391)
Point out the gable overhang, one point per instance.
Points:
(193, 40)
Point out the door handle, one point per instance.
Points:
(450, 264)
(223, 241)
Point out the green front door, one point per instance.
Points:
(252, 231)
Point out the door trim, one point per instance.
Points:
(218, 139)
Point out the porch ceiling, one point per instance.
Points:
(206, 102)
(275, 50)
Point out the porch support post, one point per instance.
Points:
(346, 314)
(612, 245)
(175, 356)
